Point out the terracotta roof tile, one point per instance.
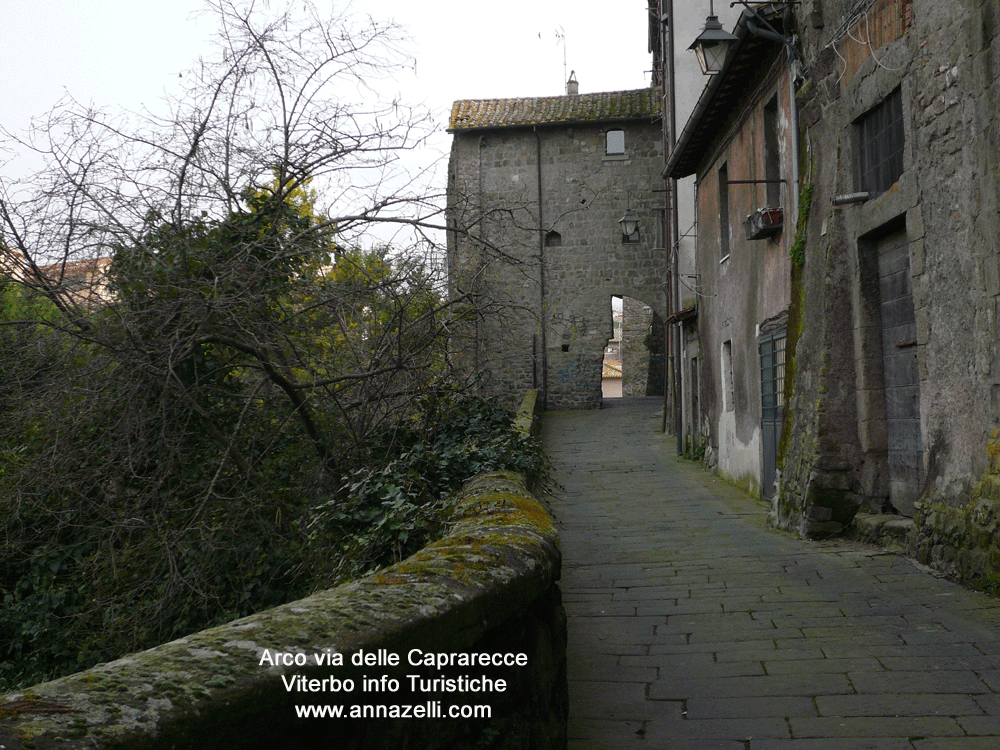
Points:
(470, 114)
(611, 369)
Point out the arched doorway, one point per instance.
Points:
(634, 356)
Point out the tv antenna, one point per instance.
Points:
(561, 39)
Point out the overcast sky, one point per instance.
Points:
(122, 53)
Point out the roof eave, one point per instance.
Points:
(682, 162)
(558, 123)
(634, 105)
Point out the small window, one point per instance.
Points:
(615, 143)
(880, 145)
(553, 239)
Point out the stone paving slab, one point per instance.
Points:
(693, 626)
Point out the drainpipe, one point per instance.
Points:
(541, 270)
(674, 291)
(794, 114)
(480, 265)
(664, 29)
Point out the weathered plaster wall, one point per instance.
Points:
(573, 251)
(741, 291)
(489, 586)
(739, 459)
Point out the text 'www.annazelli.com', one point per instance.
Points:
(428, 710)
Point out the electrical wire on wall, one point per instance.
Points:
(861, 12)
(852, 18)
(697, 288)
(867, 42)
(674, 249)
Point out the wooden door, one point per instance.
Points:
(900, 372)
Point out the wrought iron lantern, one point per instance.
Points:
(712, 44)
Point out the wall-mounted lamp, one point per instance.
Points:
(629, 222)
(712, 44)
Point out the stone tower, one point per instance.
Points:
(536, 189)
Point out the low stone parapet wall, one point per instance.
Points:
(471, 624)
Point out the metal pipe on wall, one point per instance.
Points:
(541, 271)
(675, 238)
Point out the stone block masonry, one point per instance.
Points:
(489, 587)
(535, 202)
(919, 254)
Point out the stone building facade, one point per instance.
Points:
(536, 189)
(896, 400)
(890, 271)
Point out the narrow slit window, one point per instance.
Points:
(728, 387)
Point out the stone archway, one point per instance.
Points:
(642, 351)
(579, 335)
(611, 375)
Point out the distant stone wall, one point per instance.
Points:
(488, 587)
(637, 320)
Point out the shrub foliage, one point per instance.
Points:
(213, 401)
(128, 519)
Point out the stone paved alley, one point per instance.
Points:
(692, 626)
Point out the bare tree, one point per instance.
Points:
(192, 346)
(287, 97)
(199, 207)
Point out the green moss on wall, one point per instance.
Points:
(796, 317)
(963, 540)
(499, 561)
(798, 249)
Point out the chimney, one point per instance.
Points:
(572, 87)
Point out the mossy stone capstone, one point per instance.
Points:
(492, 576)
